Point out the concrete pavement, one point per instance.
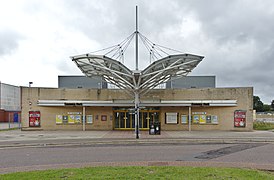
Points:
(15, 138)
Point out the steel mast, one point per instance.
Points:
(136, 91)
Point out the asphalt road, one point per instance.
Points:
(258, 155)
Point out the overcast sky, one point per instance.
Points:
(235, 36)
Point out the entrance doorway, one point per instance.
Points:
(125, 120)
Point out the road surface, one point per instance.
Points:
(257, 155)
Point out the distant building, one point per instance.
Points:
(75, 82)
(10, 103)
(192, 82)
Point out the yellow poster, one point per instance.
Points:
(59, 119)
(71, 119)
(202, 119)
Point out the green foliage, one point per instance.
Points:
(266, 107)
(263, 126)
(143, 172)
(258, 104)
(272, 104)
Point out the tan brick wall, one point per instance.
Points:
(244, 97)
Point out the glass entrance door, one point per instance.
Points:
(124, 119)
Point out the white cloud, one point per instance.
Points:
(38, 37)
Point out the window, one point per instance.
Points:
(172, 118)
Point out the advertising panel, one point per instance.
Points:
(71, 119)
(196, 119)
(34, 118)
(239, 118)
(208, 119)
(65, 119)
(59, 119)
(214, 119)
(202, 119)
(77, 119)
(184, 119)
(89, 119)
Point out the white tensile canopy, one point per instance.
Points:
(141, 81)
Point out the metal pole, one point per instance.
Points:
(84, 118)
(136, 93)
(136, 36)
(137, 114)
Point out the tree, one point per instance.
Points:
(258, 104)
(267, 107)
(272, 105)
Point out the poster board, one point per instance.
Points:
(89, 119)
(202, 119)
(208, 119)
(59, 119)
(71, 119)
(65, 119)
(77, 119)
(239, 118)
(34, 119)
(196, 119)
(214, 119)
(184, 119)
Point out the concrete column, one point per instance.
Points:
(189, 118)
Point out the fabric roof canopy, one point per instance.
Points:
(114, 72)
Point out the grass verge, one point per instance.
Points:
(143, 172)
(263, 126)
(10, 129)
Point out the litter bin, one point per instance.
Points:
(155, 128)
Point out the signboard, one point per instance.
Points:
(34, 118)
(239, 118)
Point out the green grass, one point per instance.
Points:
(263, 126)
(10, 129)
(143, 172)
